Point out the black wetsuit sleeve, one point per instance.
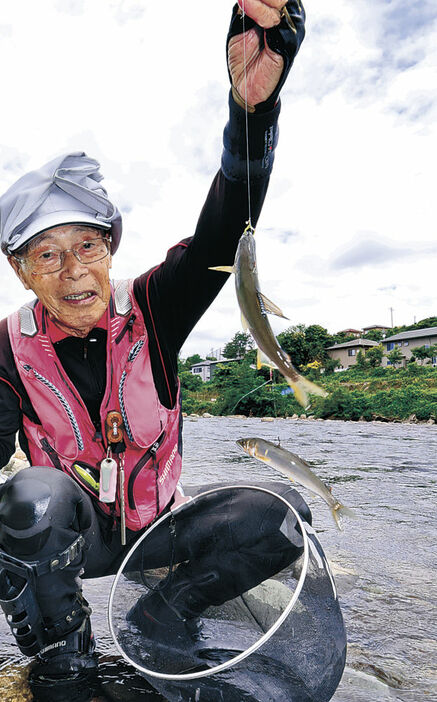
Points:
(10, 422)
(10, 400)
(174, 295)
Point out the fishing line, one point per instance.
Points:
(250, 392)
(249, 207)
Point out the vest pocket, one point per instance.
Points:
(87, 476)
(150, 457)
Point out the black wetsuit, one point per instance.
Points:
(179, 291)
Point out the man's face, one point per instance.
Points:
(75, 296)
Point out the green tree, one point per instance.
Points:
(239, 345)
(374, 335)
(424, 323)
(317, 339)
(306, 344)
(189, 381)
(361, 359)
(293, 342)
(395, 356)
(192, 360)
(374, 356)
(330, 364)
(424, 352)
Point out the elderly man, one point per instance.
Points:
(88, 372)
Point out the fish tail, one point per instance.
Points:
(303, 388)
(339, 511)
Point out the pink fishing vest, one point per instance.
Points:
(67, 436)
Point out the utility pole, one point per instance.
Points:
(391, 314)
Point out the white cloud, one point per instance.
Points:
(147, 96)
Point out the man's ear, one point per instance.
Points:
(16, 265)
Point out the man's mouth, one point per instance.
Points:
(77, 297)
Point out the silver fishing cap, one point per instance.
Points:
(66, 190)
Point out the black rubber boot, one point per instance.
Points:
(65, 669)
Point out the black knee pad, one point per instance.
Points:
(38, 505)
(43, 514)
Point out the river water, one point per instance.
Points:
(385, 562)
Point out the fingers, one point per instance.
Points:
(266, 13)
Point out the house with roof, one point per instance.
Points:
(350, 332)
(376, 327)
(407, 341)
(347, 352)
(205, 369)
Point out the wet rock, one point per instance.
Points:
(237, 416)
(14, 684)
(355, 682)
(303, 416)
(267, 419)
(207, 415)
(295, 416)
(431, 421)
(16, 463)
(412, 419)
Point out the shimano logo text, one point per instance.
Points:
(58, 644)
(168, 465)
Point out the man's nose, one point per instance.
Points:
(72, 267)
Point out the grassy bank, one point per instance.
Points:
(381, 393)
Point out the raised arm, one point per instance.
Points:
(181, 289)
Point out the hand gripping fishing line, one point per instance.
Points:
(284, 40)
(249, 228)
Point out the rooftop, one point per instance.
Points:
(412, 334)
(355, 342)
(212, 363)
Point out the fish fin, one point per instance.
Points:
(339, 511)
(303, 388)
(223, 269)
(263, 360)
(270, 306)
(244, 323)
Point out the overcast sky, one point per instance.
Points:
(348, 229)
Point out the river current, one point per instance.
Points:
(385, 562)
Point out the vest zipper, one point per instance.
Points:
(51, 453)
(133, 353)
(127, 328)
(64, 402)
(151, 452)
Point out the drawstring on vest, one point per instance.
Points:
(116, 446)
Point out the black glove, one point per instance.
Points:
(284, 39)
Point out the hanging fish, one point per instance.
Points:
(296, 469)
(254, 308)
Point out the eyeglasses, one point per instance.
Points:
(46, 260)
